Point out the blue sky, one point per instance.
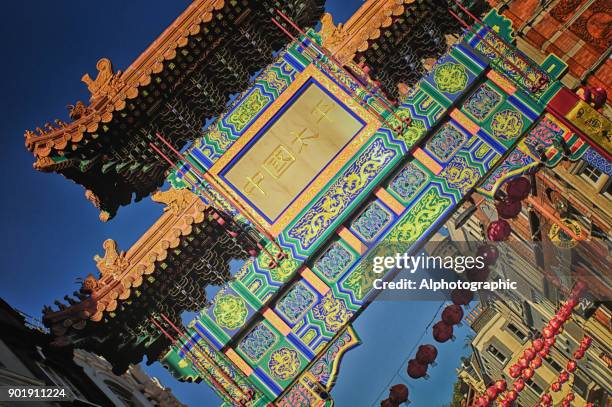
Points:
(51, 232)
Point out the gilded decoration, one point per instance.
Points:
(107, 82)
(113, 263)
(341, 193)
(243, 114)
(332, 311)
(420, 217)
(176, 200)
(592, 123)
(450, 77)
(482, 102)
(230, 311)
(257, 342)
(329, 171)
(296, 302)
(507, 124)
(460, 174)
(284, 363)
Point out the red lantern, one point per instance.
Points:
(523, 363)
(442, 331)
(398, 393)
(512, 395)
(461, 297)
(416, 370)
(501, 385)
(508, 209)
(544, 352)
(536, 362)
(528, 373)
(499, 230)
(529, 354)
(547, 332)
(566, 403)
(518, 385)
(556, 386)
(546, 398)
(570, 396)
(514, 371)
(538, 344)
(518, 189)
(548, 342)
(489, 253)
(571, 366)
(586, 342)
(452, 314)
(556, 324)
(477, 274)
(491, 393)
(563, 377)
(579, 354)
(426, 354)
(571, 303)
(388, 403)
(589, 405)
(505, 403)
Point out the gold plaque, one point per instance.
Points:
(592, 123)
(292, 151)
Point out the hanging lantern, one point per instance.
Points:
(514, 371)
(566, 403)
(556, 324)
(518, 385)
(523, 362)
(501, 385)
(556, 386)
(416, 370)
(579, 354)
(518, 189)
(570, 396)
(571, 366)
(489, 253)
(452, 314)
(586, 342)
(550, 341)
(563, 377)
(512, 395)
(499, 230)
(538, 344)
(476, 274)
(536, 362)
(442, 331)
(548, 332)
(529, 354)
(461, 296)
(505, 403)
(426, 354)
(544, 352)
(491, 393)
(398, 393)
(508, 209)
(387, 403)
(528, 373)
(546, 398)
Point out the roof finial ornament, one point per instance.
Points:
(113, 262)
(176, 200)
(106, 81)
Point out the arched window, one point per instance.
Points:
(122, 393)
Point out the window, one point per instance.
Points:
(497, 354)
(553, 363)
(608, 190)
(534, 386)
(591, 174)
(517, 332)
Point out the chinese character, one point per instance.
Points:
(301, 138)
(253, 183)
(321, 110)
(278, 161)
